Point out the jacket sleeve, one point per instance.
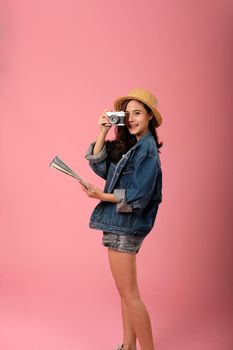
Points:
(141, 186)
(98, 161)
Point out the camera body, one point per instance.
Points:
(116, 118)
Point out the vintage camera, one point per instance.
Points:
(116, 118)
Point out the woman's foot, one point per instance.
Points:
(120, 347)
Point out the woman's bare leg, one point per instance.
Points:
(129, 336)
(123, 267)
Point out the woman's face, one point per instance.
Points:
(137, 119)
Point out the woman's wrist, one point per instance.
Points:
(108, 197)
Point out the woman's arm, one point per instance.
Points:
(95, 192)
(97, 151)
(98, 148)
(104, 127)
(100, 142)
(141, 187)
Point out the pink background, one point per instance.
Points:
(62, 64)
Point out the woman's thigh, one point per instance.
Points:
(123, 267)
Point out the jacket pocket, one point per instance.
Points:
(128, 169)
(125, 176)
(123, 220)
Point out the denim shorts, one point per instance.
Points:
(122, 243)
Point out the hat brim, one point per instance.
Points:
(118, 104)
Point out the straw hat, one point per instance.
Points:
(144, 96)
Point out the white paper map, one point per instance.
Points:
(58, 164)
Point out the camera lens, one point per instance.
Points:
(114, 119)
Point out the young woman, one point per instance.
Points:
(128, 205)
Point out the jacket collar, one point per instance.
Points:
(145, 136)
(124, 160)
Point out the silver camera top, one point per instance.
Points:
(116, 118)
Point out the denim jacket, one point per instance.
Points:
(136, 181)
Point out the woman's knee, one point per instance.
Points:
(129, 295)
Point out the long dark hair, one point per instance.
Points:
(124, 140)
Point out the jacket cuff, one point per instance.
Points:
(96, 158)
(122, 206)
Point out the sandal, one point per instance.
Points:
(120, 347)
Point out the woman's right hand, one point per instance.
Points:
(103, 122)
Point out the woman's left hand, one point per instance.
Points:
(93, 192)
